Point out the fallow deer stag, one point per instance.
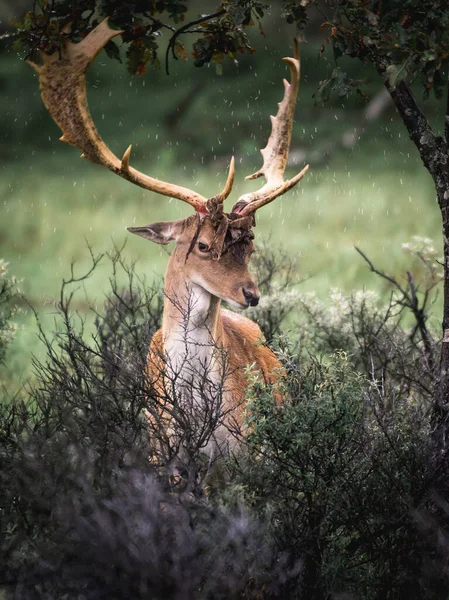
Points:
(213, 248)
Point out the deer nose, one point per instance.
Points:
(251, 297)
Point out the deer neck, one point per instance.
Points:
(192, 327)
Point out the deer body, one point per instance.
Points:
(198, 336)
(213, 248)
(241, 340)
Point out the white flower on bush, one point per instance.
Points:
(7, 333)
(8, 287)
(4, 275)
(341, 307)
(3, 268)
(279, 298)
(420, 245)
(280, 301)
(338, 319)
(423, 248)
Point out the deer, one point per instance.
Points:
(209, 263)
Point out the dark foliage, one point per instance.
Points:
(83, 507)
(138, 541)
(342, 475)
(219, 32)
(330, 495)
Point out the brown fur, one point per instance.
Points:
(243, 341)
(196, 273)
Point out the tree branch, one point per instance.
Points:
(392, 280)
(184, 29)
(410, 301)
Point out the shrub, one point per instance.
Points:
(341, 476)
(372, 333)
(329, 495)
(401, 360)
(83, 509)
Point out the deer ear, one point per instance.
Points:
(160, 233)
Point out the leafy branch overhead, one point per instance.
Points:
(146, 23)
(403, 39)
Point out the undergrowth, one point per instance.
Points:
(329, 495)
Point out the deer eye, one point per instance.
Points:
(203, 247)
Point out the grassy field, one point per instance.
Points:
(376, 195)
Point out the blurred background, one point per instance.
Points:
(366, 186)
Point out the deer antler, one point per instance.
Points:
(63, 90)
(229, 183)
(275, 153)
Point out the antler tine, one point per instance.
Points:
(275, 153)
(63, 90)
(229, 183)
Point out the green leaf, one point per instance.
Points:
(18, 45)
(338, 82)
(181, 51)
(238, 15)
(338, 48)
(113, 51)
(27, 21)
(135, 57)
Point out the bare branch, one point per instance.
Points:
(381, 273)
(184, 29)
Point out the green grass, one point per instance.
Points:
(51, 202)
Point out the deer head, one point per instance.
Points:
(213, 247)
(223, 275)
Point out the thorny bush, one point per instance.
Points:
(328, 496)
